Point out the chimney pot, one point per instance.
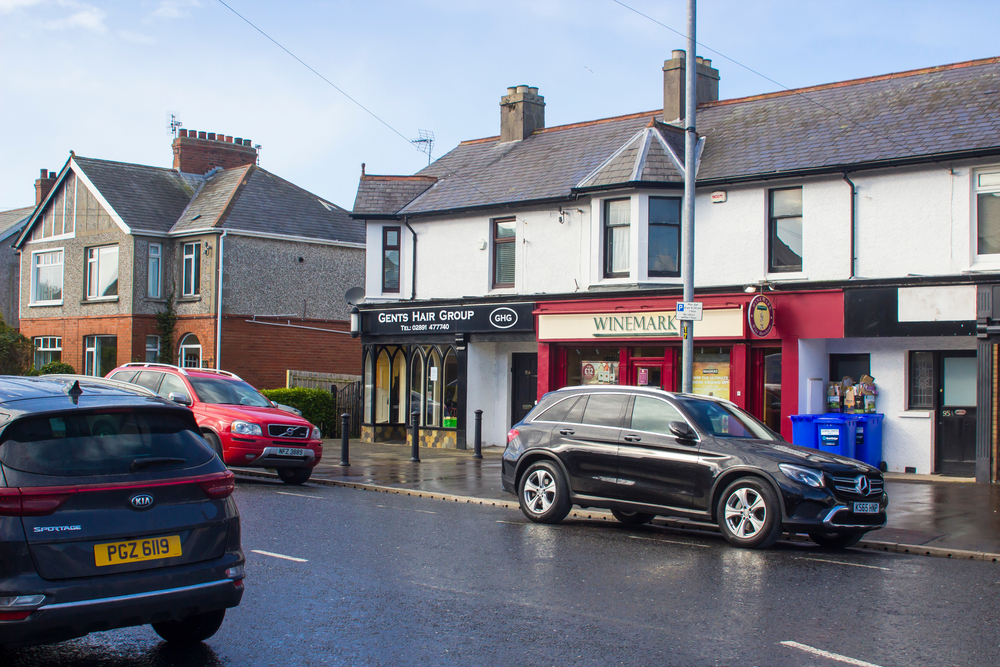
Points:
(247, 142)
(229, 139)
(201, 135)
(211, 136)
(511, 90)
(182, 133)
(44, 173)
(707, 86)
(677, 54)
(239, 141)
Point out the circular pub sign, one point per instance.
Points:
(761, 315)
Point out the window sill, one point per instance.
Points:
(105, 299)
(44, 304)
(188, 299)
(916, 414)
(984, 264)
(788, 276)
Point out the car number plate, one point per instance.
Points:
(290, 451)
(866, 508)
(133, 551)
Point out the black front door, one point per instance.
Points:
(524, 385)
(956, 413)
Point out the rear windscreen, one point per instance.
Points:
(102, 443)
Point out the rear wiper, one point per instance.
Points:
(139, 464)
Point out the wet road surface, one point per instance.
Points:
(344, 577)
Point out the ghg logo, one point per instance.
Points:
(503, 318)
(142, 501)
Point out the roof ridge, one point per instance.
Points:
(390, 177)
(852, 82)
(570, 126)
(130, 164)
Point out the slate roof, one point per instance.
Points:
(12, 220)
(210, 201)
(645, 158)
(384, 195)
(951, 110)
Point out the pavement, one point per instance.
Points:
(928, 514)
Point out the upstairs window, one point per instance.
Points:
(987, 187)
(155, 255)
(617, 223)
(47, 277)
(785, 230)
(192, 269)
(390, 259)
(504, 235)
(664, 237)
(102, 272)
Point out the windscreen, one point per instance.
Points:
(102, 443)
(725, 421)
(223, 391)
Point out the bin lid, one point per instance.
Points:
(802, 418)
(838, 417)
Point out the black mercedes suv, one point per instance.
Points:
(645, 452)
(113, 512)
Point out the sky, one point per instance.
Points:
(102, 78)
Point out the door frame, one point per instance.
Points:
(938, 394)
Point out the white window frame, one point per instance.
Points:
(152, 345)
(992, 260)
(46, 345)
(94, 255)
(154, 283)
(184, 346)
(92, 354)
(192, 259)
(34, 277)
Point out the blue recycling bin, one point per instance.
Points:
(804, 430)
(836, 434)
(868, 439)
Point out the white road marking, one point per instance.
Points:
(832, 656)
(838, 562)
(282, 556)
(655, 539)
(299, 495)
(513, 523)
(405, 509)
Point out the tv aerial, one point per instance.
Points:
(174, 124)
(425, 144)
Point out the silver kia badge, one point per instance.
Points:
(142, 501)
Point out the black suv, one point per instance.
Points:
(645, 452)
(114, 511)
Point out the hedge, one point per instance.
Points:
(317, 405)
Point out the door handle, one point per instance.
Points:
(632, 438)
(566, 431)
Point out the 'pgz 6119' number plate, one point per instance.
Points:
(133, 551)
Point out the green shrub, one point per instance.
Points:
(16, 351)
(317, 406)
(56, 367)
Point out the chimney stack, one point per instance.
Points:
(522, 111)
(44, 185)
(673, 85)
(200, 152)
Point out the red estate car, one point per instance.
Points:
(245, 428)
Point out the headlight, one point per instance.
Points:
(245, 428)
(316, 435)
(804, 475)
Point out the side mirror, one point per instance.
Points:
(682, 430)
(179, 398)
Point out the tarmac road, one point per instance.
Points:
(344, 577)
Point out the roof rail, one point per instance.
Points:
(90, 379)
(219, 371)
(151, 364)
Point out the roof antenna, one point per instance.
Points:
(425, 144)
(174, 124)
(257, 148)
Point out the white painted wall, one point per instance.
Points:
(489, 389)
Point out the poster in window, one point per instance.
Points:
(643, 378)
(711, 378)
(599, 372)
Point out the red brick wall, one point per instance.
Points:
(200, 152)
(261, 353)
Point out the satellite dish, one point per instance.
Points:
(355, 296)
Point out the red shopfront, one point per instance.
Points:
(636, 341)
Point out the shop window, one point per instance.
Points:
(987, 193)
(100, 355)
(591, 366)
(397, 388)
(390, 259)
(663, 250)
(921, 384)
(102, 272)
(785, 230)
(416, 385)
(47, 277)
(710, 376)
(432, 393)
(47, 350)
(450, 389)
(849, 365)
(189, 351)
(152, 349)
(617, 227)
(382, 388)
(369, 388)
(504, 233)
(192, 269)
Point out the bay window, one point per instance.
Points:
(617, 221)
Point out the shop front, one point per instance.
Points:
(434, 360)
(637, 341)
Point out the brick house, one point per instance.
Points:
(109, 242)
(11, 224)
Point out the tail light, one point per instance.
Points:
(33, 502)
(219, 485)
(15, 615)
(511, 434)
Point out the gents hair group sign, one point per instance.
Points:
(478, 318)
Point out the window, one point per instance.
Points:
(172, 384)
(390, 259)
(987, 187)
(152, 348)
(190, 352)
(850, 365)
(47, 349)
(100, 355)
(605, 409)
(504, 233)
(921, 390)
(192, 269)
(47, 277)
(785, 230)
(617, 221)
(653, 415)
(155, 255)
(664, 237)
(102, 272)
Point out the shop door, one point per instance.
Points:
(766, 397)
(647, 374)
(956, 414)
(524, 385)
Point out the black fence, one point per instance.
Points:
(349, 400)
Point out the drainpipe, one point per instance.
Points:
(413, 279)
(218, 299)
(854, 193)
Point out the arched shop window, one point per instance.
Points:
(416, 384)
(369, 388)
(382, 374)
(432, 393)
(397, 388)
(450, 386)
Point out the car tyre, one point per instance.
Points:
(749, 514)
(294, 475)
(192, 629)
(836, 540)
(543, 493)
(632, 518)
(214, 443)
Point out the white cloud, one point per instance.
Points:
(172, 9)
(11, 5)
(85, 16)
(136, 37)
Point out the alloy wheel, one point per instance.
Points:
(745, 512)
(539, 491)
